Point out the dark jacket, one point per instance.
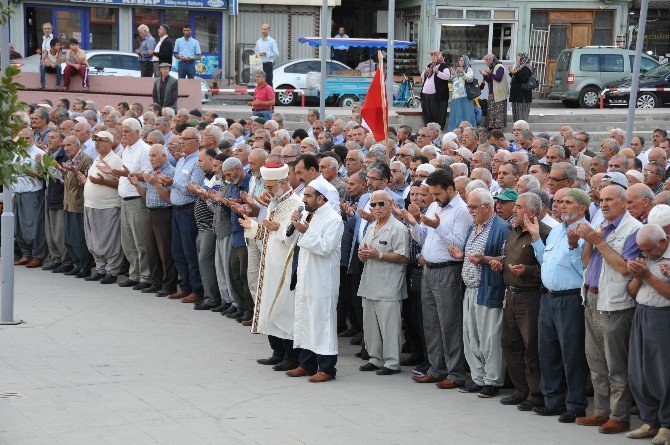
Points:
(441, 86)
(170, 94)
(516, 91)
(491, 290)
(165, 52)
(55, 188)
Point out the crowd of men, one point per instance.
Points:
(474, 254)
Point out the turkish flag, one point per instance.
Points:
(375, 109)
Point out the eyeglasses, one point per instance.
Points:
(400, 155)
(188, 139)
(350, 160)
(556, 179)
(375, 204)
(372, 178)
(653, 173)
(396, 171)
(422, 135)
(475, 206)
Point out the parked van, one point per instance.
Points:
(581, 73)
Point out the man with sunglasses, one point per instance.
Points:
(562, 175)
(653, 176)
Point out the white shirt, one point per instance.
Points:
(88, 147)
(647, 295)
(24, 183)
(136, 159)
(494, 186)
(364, 224)
(238, 141)
(46, 43)
(341, 47)
(548, 220)
(154, 58)
(98, 196)
(644, 158)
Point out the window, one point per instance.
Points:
(176, 19)
(646, 64)
(207, 32)
(104, 61)
(558, 40)
(149, 17)
(611, 63)
(477, 14)
(539, 19)
(563, 63)
(589, 62)
(103, 28)
(335, 66)
(130, 63)
(300, 68)
(501, 44)
(602, 28)
(444, 13)
(457, 40)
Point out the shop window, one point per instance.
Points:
(34, 18)
(103, 28)
(207, 32)
(149, 17)
(457, 40)
(177, 19)
(68, 25)
(602, 28)
(501, 44)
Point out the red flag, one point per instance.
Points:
(375, 110)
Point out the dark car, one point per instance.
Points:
(654, 89)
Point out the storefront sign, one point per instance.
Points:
(207, 4)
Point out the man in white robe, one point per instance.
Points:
(318, 281)
(275, 303)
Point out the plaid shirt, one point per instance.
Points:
(472, 274)
(153, 200)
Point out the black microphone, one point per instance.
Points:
(291, 228)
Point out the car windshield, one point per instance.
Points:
(659, 71)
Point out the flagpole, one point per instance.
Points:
(384, 103)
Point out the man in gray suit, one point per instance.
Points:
(166, 88)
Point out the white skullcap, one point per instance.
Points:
(274, 172)
(465, 153)
(449, 136)
(81, 119)
(660, 215)
(319, 186)
(328, 190)
(220, 121)
(428, 168)
(638, 176)
(105, 135)
(47, 106)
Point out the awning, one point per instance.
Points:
(356, 43)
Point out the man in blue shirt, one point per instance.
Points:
(148, 44)
(561, 322)
(340, 51)
(266, 49)
(187, 51)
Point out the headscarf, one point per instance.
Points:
(466, 59)
(491, 60)
(524, 60)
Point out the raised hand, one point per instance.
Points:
(415, 210)
(98, 179)
(532, 226)
(347, 209)
(245, 221)
(366, 215)
(496, 266)
(272, 226)
(434, 223)
(456, 253)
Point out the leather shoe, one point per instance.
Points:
(96, 276)
(412, 360)
(368, 367)
(191, 299)
(448, 384)
(177, 295)
(109, 279)
(644, 431)
(592, 420)
(150, 290)
(570, 416)
(614, 427)
(471, 387)
(34, 263)
(235, 315)
(546, 411)
(203, 306)
(321, 377)
(231, 310)
(387, 371)
(163, 293)
(356, 339)
(22, 261)
(528, 406)
(272, 360)
(128, 283)
(348, 333)
(51, 266)
(142, 286)
(63, 269)
(83, 273)
(220, 308)
(284, 365)
(297, 372)
(513, 399)
(72, 272)
(424, 378)
(247, 322)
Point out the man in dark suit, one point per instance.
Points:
(166, 88)
(164, 48)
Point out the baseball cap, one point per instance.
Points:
(507, 195)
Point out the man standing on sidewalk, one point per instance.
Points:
(187, 51)
(145, 51)
(266, 48)
(264, 97)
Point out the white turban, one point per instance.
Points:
(274, 172)
(660, 215)
(428, 168)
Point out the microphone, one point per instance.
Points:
(291, 228)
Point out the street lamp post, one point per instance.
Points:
(632, 99)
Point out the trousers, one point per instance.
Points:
(133, 238)
(101, 229)
(238, 277)
(312, 362)
(54, 226)
(222, 264)
(29, 223)
(184, 251)
(382, 332)
(162, 272)
(75, 240)
(69, 71)
(206, 244)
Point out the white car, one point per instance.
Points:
(107, 63)
(293, 75)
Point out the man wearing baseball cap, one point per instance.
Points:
(505, 200)
(166, 87)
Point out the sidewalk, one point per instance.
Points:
(96, 364)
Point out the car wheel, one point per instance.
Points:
(347, 101)
(646, 100)
(589, 97)
(285, 98)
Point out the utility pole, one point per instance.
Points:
(632, 99)
(325, 33)
(390, 52)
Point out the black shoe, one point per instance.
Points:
(109, 279)
(63, 269)
(356, 339)
(220, 308)
(72, 272)
(51, 266)
(412, 360)
(546, 411)
(83, 273)
(164, 293)
(96, 276)
(368, 367)
(528, 406)
(237, 314)
(144, 285)
(203, 306)
(273, 360)
(471, 387)
(231, 310)
(245, 317)
(488, 391)
(387, 371)
(513, 400)
(128, 283)
(422, 369)
(150, 290)
(348, 333)
(570, 416)
(285, 365)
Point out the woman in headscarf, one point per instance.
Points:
(435, 91)
(496, 80)
(518, 95)
(462, 108)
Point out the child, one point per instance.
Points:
(50, 63)
(76, 63)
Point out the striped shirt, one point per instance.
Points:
(186, 171)
(476, 243)
(154, 201)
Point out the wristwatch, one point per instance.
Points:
(381, 256)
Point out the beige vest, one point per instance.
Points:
(501, 89)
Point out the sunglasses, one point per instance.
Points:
(375, 204)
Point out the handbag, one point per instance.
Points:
(472, 89)
(531, 84)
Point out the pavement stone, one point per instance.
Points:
(95, 364)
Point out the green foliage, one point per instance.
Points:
(11, 151)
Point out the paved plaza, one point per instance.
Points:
(96, 364)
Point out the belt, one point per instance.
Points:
(183, 207)
(523, 289)
(261, 109)
(130, 198)
(563, 293)
(158, 209)
(593, 290)
(443, 265)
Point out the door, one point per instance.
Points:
(580, 34)
(206, 30)
(71, 23)
(558, 41)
